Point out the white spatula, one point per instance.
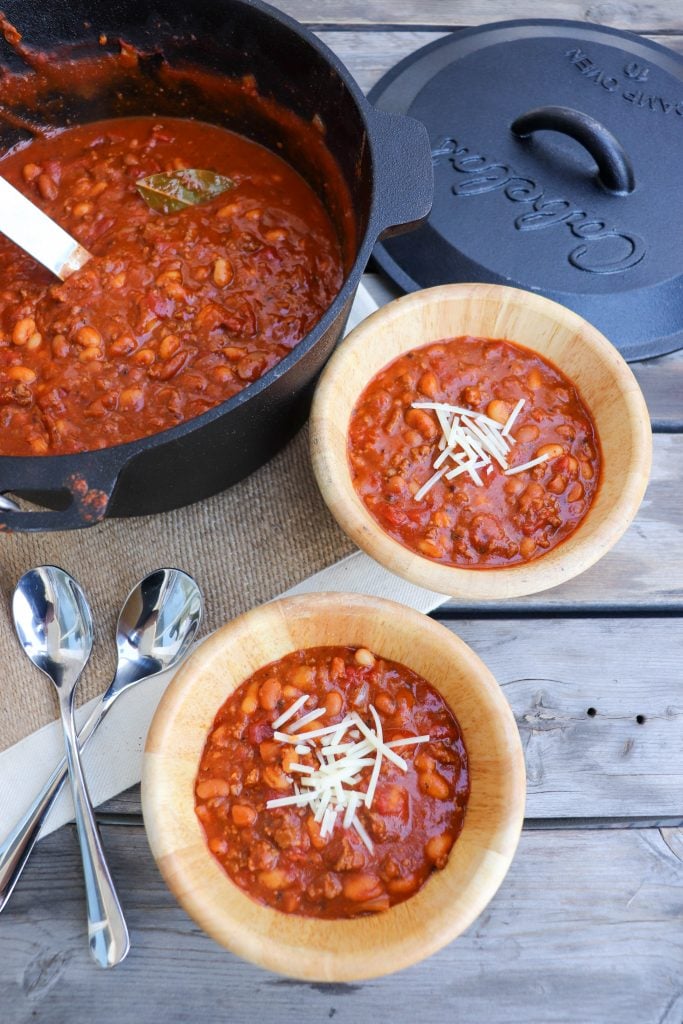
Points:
(38, 234)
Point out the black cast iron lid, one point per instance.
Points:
(558, 159)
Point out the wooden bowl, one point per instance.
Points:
(605, 382)
(310, 948)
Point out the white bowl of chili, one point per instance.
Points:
(480, 441)
(244, 849)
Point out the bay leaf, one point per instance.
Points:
(176, 190)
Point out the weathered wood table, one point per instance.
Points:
(588, 926)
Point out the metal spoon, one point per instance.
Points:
(156, 628)
(36, 233)
(54, 625)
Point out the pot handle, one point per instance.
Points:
(403, 161)
(90, 487)
(615, 170)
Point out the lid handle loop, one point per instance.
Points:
(615, 171)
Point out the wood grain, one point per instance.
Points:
(585, 930)
(661, 381)
(555, 673)
(370, 54)
(362, 947)
(605, 382)
(662, 16)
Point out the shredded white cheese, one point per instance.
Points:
(512, 417)
(430, 483)
(527, 465)
(290, 711)
(305, 719)
(473, 441)
(342, 752)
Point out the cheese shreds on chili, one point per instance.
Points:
(473, 441)
(339, 765)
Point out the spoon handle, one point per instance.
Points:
(27, 225)
(16, 848)
(107, 931)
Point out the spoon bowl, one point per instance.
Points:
(53, 623)
(157, 626)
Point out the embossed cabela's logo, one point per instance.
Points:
(603, 249)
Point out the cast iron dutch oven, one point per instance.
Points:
(384, 159)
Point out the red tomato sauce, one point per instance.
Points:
(508, 519)
(279, 856)
(176, 312)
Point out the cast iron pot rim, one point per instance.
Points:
(119, 455)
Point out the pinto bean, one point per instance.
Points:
(527, 546)
(222, 374)
(30, 171)
(313, 828)
(498, 410)
(420, 420)
(275, 777)
(270, 750)
(122, 346)
(89, 355)
(333, 703)
(269, 693)
(276, 878)
(250, 699)
(223, 272)
(47, 187)
(552, 451)
(243, 815)
(89, 337)
(364, 658)
(385, 704)
(229, 210)
(428, 384)
(169, 345)
(251, 366)
(403, 886)
(23, 329)
(434, 784)
(395, 484)
(557, 485)
(360, 886)
(303, 677)
(21, 373)
(209, 789)
(430, 548)
(172, 366)
(438, 848)
(60, 346)
(132, 398)
(529, 432)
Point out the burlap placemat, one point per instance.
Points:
(244, 547)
